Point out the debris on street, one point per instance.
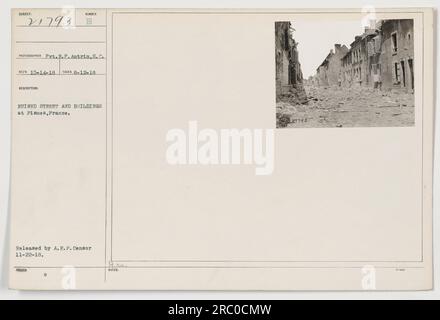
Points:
(347, 107)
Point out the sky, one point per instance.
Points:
(317, 37)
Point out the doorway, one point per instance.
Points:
(411, 72)
(402, 64)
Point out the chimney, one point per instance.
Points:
(337, 47)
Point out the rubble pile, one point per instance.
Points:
(346, 107)
(286, 105)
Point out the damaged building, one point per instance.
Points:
(396, 64)
(330, 71)
(355, 63)
(382, 57)
(289, 78)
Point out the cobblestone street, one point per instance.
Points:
(347, 107)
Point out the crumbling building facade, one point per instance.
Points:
(396, 61)
(329, 73)
(289, 78)
(359, 64)
(382, 57)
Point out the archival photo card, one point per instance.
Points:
(152, 150)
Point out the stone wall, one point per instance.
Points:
(397, 57)
(289, 82)
(334, 70)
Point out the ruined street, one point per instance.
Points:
(335, 106)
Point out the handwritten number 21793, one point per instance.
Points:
(50, 21)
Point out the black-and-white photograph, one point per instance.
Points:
(344, 73)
